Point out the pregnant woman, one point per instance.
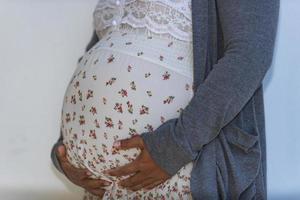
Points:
(135, 78)
(181, 77)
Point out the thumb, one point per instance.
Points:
(133, 142)
(61, 152)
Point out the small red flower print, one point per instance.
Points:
(120, 124)
(187, 86)
(68, 117)
(93, 110)
(82, 141)
(82, 132)
(123, 92)
(133, 85)
(129, 107)
(81, 120)
(84, 75)
(85, 62)
(118, 107)
(96, 161)
(132, 132)
(94, 77)
(114, 150)
(75, 137)
(104, 149)
(96, 61)
(149, 127)
(116, 137)
(162, 119)
(80, 95)
(95, 148)
(109, 122)
(74, 115)
(134, 121)
(97, 124)
(76, 85)
(111, 81)
(93, 134)
(101, 158)
(185, 189)
(166, 75)
(140, 53)
(144, 110)
(105, 135)
(147, 75)
(180, 58)
(90, 94)
(128, 43)
(91, 165)
(168, 100)
(110, 59)
(104, 100)
(149, 93)
(129, 68)
(78, 73)
(161, 58)
(73, 99)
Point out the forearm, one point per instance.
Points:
(249, 30)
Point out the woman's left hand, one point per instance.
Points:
(146, 173)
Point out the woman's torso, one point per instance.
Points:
(131, 81)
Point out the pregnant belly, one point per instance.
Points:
(114, 96)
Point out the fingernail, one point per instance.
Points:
(88, 173)
(107, 183)
(117, 144)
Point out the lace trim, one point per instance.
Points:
(156, 16)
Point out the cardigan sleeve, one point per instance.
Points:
(54, 158)
(249, 32)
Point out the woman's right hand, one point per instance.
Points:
(80, 177)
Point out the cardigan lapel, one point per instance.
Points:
(200, 40)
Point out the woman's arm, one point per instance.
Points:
(249, 30)
(54, 158)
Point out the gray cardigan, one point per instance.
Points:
(222, 129)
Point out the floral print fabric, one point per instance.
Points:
(114, 95)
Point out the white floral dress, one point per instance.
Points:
(128, 83)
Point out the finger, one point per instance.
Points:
(127, 169)
(133, 180)
(95, 183)
(98, 192)
(154, 184)
(61, 153)
(79, 173)
(133, 142)
(142, 185)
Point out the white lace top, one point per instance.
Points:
(167, 18)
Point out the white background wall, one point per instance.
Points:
(40, 42)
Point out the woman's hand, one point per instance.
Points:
(146, 173)
(79, 176)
